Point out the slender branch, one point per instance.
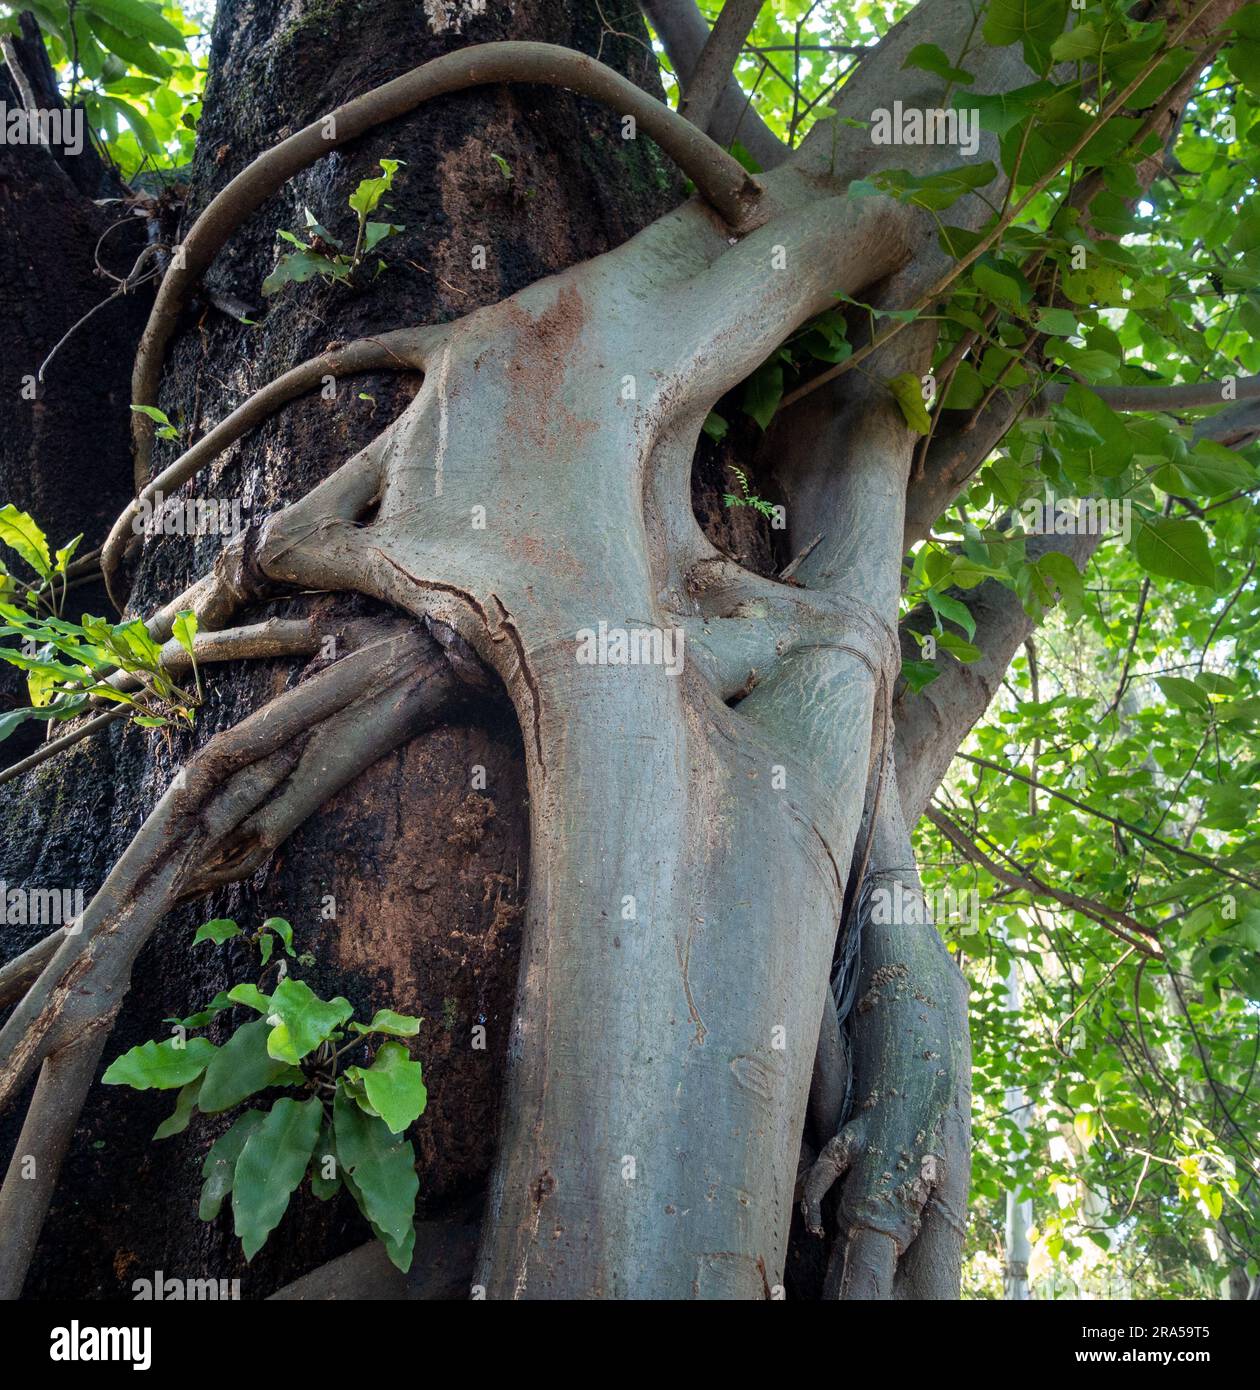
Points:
(1196, 395)
(1224, 613)
(1123, 683)
(1117, 821)
(1120, 924)
(719, 177)
(59, 745)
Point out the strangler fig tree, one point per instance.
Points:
(894, 328)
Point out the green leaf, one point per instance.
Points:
(136, 53)
(1034, 23)
(219, 1168)
(387, 1021)
(1174, 549)
(154, 414)
(218, 930)
(272, 1164)
(251, 996)
(306, 1020)
(382, 1167)
(140, 20)
(394, 1085)
(160, 1066)
(207, 1015)
(376, 232)
(400, 1252)
(963, 651)
(1096, 441)
(1002, 289)
(1063, 581)
(296, 268)
(13, 719)
(714, 426)
(1080, 44)
(369, 193)
(762, 393)
(1184, 694)
(908, 392)
(930, 58)
(19, 532)
(938, 190)
(945, 607)
(1061, 322)
(919, 673)
(184, 629)
(282, 929)
(1001, 112)
(325, 1148)
(241, 1068)
(965, 388)
(65, 554)
(1213, 469)
(185, 1106)
(139, 650)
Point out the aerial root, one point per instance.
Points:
(832, 1163)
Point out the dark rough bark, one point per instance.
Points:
(428, 872)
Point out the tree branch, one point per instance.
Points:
(683, 32)
(1214, 864)
(1196, 395)
(703, 90)
(1120, 924)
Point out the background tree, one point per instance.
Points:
(900, 347)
